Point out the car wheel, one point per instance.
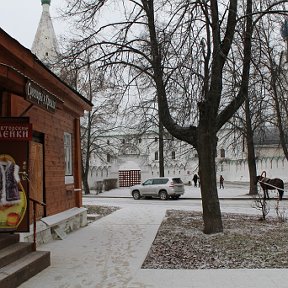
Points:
(136, 195)
(163, 195)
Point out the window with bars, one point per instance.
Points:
(173, 155)
(222, 153)
(156, 155)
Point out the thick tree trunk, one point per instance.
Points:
(250, 149)
(207, 141)
(161, 150)
(85, 176)
(252, 169)
(86, 186)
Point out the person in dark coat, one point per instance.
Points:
(221, 182)
(195, 180)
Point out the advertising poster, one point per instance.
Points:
(15, 134)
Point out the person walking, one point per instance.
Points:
(195, 180)
(221, 182)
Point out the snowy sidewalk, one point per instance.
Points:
(109, 252)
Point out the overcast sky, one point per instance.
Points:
(20, 18)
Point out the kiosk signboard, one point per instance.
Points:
(40, 97)
(15, 134)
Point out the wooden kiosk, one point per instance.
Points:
(30, 93)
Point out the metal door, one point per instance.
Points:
(128, 178)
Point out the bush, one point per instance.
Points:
(110, 184)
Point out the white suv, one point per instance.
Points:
(162, 187)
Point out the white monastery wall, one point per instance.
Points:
(231, 161)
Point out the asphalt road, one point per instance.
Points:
(227, 205)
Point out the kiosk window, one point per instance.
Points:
(68, 153)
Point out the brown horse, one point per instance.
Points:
(271, 184)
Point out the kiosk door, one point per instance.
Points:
(36, 177)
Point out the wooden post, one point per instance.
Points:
(34, 225)
(77, 165)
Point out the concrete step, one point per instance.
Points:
(8, 239)
(19, 271)
(13, 252)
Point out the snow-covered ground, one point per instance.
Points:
(109, 252)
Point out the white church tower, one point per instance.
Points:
(45, 42)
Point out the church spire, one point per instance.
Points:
(45, 45)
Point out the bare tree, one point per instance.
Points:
(277, 84)
(246, 118)
(264, 79)
(100, 121)
(181, 48)
(273, 71)
(260, 203)
(80, 73)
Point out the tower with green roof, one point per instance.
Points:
(46, 2)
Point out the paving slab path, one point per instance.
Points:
(109, 252)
